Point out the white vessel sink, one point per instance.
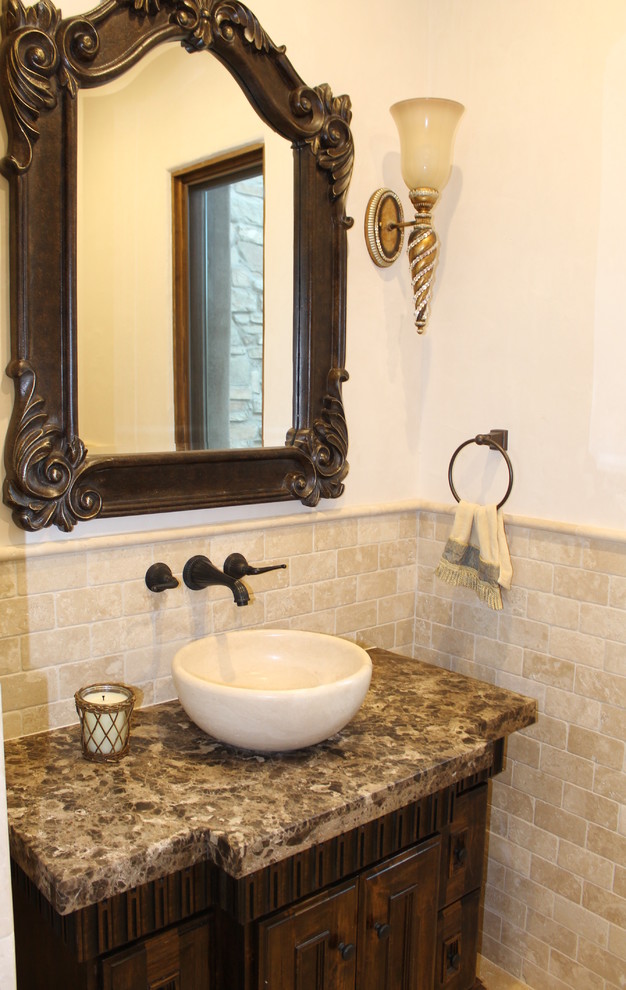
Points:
(271, 689)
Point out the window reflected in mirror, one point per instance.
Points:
(173, 109)
(218, 221)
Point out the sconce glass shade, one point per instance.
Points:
(426, 128)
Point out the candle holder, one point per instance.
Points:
(104, 711)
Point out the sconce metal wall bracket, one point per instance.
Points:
(384, 227)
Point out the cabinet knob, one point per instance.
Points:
(460, 854)
(347, 950)
(382, 930)
(454, 958)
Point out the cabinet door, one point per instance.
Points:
(178, 959)
(311, 946)
(464, 846)
(398, 921)
(457, 944)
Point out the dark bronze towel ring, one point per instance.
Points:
(495, 440)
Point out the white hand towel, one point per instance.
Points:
(483, 564)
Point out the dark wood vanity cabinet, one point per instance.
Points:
(409, 923)
(397, 925)
(312, 944)
(460, 880)
(389, 905)
(177, 959)
(377, 931)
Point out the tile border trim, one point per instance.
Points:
(124, 540)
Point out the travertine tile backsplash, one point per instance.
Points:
(555, 902)
(555, 907)
(70, 618)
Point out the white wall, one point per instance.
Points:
(526, 328)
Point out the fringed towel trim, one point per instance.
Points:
(462, 566)
(484, 568)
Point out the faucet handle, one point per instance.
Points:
(159, 577)
(236, 566)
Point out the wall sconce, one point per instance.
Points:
(426, 128)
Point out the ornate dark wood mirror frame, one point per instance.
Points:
(44, 61)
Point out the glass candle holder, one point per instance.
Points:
(104, 711)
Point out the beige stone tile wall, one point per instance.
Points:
(555, 901)
(70, 618)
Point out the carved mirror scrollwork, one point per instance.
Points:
(44, 61)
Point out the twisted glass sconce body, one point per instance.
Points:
(423, 250)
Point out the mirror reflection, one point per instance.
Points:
(170, 118)
(218, 302)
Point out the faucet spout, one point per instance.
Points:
(200, 573)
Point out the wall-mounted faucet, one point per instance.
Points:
(200, 573)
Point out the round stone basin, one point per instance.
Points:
(271, 690)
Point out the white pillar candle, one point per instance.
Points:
(105, 729)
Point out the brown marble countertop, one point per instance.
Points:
(83, 831)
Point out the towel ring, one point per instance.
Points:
(483, 439)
